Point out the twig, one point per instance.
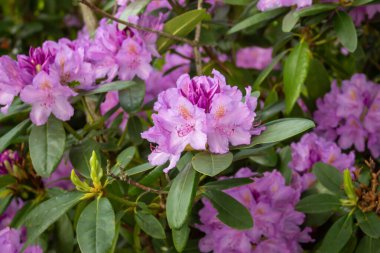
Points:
(135, 26)
(124, 178)
(197, 54)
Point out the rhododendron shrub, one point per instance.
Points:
(190, 126)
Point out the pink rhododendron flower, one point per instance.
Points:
(11, 242)
(202, 110)
(47, 96)
(272, 206)
(351, 114)
(254, 57)
(264, 5)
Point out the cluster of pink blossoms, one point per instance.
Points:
(312, 149)
(254, 57)
(12, 241)
(272, 206)
(350, 114)
(202, 112)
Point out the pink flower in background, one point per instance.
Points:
(254, 57)
(61, 176)
(11, 82)
(47, 96)
(351, 114)
(111, 100)
(7, 216)
(11, 242)
(200, 110)
(264, 5)
(272, 206)
(363, 13)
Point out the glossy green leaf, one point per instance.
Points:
(132, 9)
(7, 138)
(181, 196)
(289, 21)
(230, 211)
(368, 245)
(317, 82)
(80, 156)
(369, 223)
(337, 236)
(139, 169)
(345, 30)
(131, 98)
(48, 212)
(211, 164)
(65, 235)
(264, 74)
(318, 203)
(180, 237)
(315, 9)
(256, 19)
(114, 86)
(123, 159)
(150, 225)
(282, 129)
(180, 26)
(227, 183)
(267, 158)
(134, 128)
(329, 177)
(147, 180)
(96, 227)
(295, 72)
(46, 145)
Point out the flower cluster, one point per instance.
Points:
(254, 57)
(11, 241)
(264, 5)
(199, 111)
(312, 149)
(363, 13)
(351, 114)
(271, 204)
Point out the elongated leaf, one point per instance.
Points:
(132, 9)
(246, 153)
(123, 159)
(139, 169)
(4, 203)
(150, 225)
(289, 21)
(48, 212)
(134, 127)
(337, 236)
(295, 72)
(317, 81)
(264, 74)
(237, 2)
(65, 235)
(368, 245)
(180, 26)
(80, 156)
(132, 97)
(230, 211)
(147, 180)
(282, 129)
(369, 223)
(7, 138)
(211, 164)
(180, 197)
(47, 144)
(329, 176)
(315, 9)
(180, 237)
(318, 203)
(227, 183)
(114, 86)
(345, 30)
(96, 227)
(255, 19)
(267, 158)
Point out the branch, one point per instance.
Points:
(197, 54)
(138, 27)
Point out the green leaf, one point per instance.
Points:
(139, 169)
(134, 128)
(337, 236)
(317, 81)
(131, 98)
(150, 225)
(318, 203)
(114, 86)
(47, 144)
(264, 74)
(80, 156)
(185, 160)
(267, 158)
(96, 227)
(65, 235)
(361, 2)
(289, 21)
(4, 203)
(123, 159)
(286, 157)
(282, 129)
(256, 19)
(237, 2)
(246, 153)
(7, 138)
(181, 196)
(132, 9)
(368, 245)
(315, 9)
(147, 180)
(227, 183)
(329, 176)
(180, 26)
(211, 164)
(180, 237)
(295, 72)
(230, 211)
(369, 223)
(345, 30)
(48, 212)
